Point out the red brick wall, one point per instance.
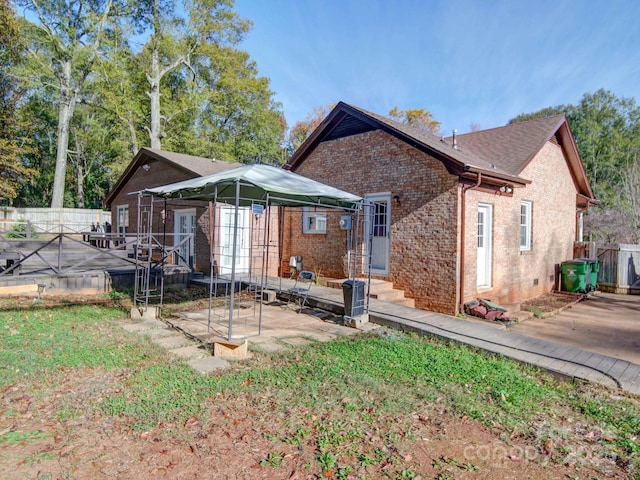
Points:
(553, 196)
(161, 173)
(424, 253)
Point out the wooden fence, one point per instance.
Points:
(619, 268)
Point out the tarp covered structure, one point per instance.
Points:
(259, 184)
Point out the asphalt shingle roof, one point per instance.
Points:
(505, 150)
(501, 153)
(510, 148)
(199, 165)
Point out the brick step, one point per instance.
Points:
(335, 283)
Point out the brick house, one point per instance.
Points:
(489, 214)
(152, 168)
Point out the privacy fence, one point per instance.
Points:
(26, 222)
(619, 268)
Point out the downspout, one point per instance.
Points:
(463, 214)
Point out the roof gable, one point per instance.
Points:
(499, 154)
(345, 120)
(190, 164)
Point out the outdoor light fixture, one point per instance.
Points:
(396, 201)
(146, 167)
(506, 189)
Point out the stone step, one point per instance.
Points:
(381, 287)
(382, 290)
(407, 302)
(387, 295)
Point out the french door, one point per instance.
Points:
(243, 247)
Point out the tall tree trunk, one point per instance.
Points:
(155, 135)
(65, 112)
(80, 180)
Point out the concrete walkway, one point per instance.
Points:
(560, 359)
(564, 360)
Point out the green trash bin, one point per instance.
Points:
(593, 269)
(575, 276)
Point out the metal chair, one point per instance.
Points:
(300, 290)
(295, 263)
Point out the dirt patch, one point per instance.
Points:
(244, 437)
(250, 437)
(551, 304)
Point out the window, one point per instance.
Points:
(380, 219)
(525, 225)
(313, 221)
(123, 218)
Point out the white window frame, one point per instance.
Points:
(314, 221)
(526, 214)
(122, 213)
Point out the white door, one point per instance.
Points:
(185, 229)
(242, 252)
(484, 245)
(377, 226)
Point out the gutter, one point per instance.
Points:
(463, 207)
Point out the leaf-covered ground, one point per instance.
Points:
(82, 398)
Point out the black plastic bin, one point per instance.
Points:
(353, 292)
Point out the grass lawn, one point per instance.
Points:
(82, 398)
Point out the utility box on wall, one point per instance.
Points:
(345, 222)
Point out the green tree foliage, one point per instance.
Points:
(64, 45)
(42, 116)
(416, 117)
(89, 77)
(15, 141)
(607, 133)
(201, 94)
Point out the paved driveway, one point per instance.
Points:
(606, 323)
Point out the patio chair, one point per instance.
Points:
(300, 290)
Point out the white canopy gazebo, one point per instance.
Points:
(259, 187)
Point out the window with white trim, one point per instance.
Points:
(525, 225)
(313, 220)
(122, 218)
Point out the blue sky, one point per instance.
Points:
(481, 62)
